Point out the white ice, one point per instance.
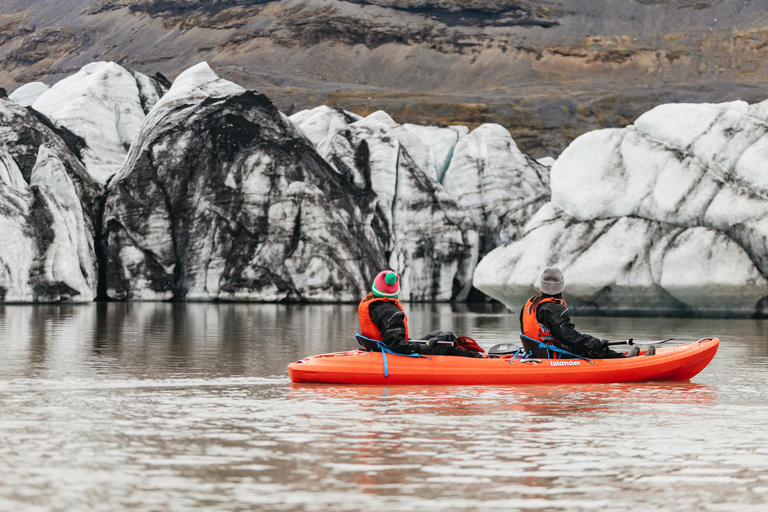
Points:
(101, 104)
(27, 94)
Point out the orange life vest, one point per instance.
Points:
(531, 327)
(367, 327)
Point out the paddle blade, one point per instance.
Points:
(468, 343)
(503, 349)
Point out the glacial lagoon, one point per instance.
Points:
(187, 406)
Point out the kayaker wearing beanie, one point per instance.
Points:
(545, 318)
(382, 318)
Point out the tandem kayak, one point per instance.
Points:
(675, 363)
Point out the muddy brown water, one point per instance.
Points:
(157, 407)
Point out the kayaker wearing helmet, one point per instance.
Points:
(545, 318)
(382, 318)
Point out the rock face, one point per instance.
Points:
(672, 208)
(221, 198)
(104, 105)
(547, 70)
(426, 235)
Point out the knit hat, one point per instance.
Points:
(551, 282)
(386, 284)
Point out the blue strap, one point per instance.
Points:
(384, 351)
(548, 347)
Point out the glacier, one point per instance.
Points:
(236, 205)
(123, 185)
(685, 186)
(103, 104)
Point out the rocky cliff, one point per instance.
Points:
(547, 70)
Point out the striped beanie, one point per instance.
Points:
(386, 284)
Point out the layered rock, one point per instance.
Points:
(695, 173)
(221, 198)
(104, 105)
(426, 235)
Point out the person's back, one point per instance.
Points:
(545, 320)
(382, 318)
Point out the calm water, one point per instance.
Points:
(188, 406)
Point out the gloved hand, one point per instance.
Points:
(596, 345)
(433, 343)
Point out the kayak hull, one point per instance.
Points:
(678, 363)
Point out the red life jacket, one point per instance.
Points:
(531, 326)
(370, 329)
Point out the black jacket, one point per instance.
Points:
(391, 323)
(390, 320)
(556, 318)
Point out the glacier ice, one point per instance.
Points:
(47, 254)
(27, 94)
(101, 104)
(695, 171)
(238, 205)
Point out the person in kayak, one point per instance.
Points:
(382, 318)
(545, 318)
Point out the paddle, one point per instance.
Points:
(468, 343)
(503, 349)
(630, 341)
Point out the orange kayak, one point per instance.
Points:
(679, 362)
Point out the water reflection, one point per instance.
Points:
(541, 400)
(157, 406)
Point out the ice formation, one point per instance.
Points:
(27, 94)
(236, 206)
(425, 234)
(47, 252)
(101, 104)
(697, 173)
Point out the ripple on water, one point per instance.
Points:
(142, 418)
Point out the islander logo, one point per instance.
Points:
(564, 363)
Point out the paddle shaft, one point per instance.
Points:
(630, 341)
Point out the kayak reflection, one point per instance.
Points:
(545, 400)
